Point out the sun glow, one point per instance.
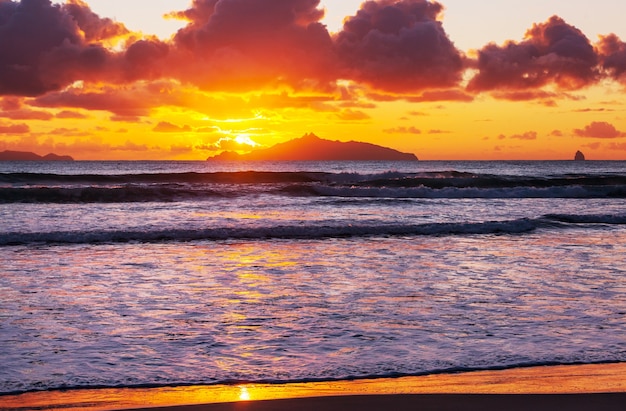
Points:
(244, 139)
(244, 395)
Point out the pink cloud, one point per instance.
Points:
(599, 129)
(14, 128)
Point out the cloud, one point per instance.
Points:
(14, 128)
(122, 102)
(91, 25)
(593, 146)
(69, 132)
(225, 144)
(618, 146)
(442, 95)
(612, 52)
(67, 114)
(145, 60)
(46, 47)
(388, 50)
(399, 46)
(125, 119)
(529, 135)
(553, 53)
(592, 110)
(403, 130)
(165, 127)
(353, 115)
(533, 94)
(25, 114)
(244, 44)
(599, 129)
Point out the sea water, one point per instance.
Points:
(117, 274)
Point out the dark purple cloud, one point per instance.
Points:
(553, 53)
(45, 47)
(612, 52)
(400, 46)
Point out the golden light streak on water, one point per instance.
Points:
(603, 378)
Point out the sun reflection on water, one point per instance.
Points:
(244, 395)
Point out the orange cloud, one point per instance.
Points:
(120, 102)
(67, 114)
(403, 130)
(165, 127)
(529, 135)
(599, 129)
(533, 94)
(246, 44)
(353, 115)
(553, 53)
(25, 114)
(618, 146)
(442, 95)
(14, 128)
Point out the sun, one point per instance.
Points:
(245, 139)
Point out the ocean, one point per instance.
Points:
(141, 274)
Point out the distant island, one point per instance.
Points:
(312, 148)
(579, 156)
(8, 155)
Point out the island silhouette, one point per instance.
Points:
(579, 156)
(9, 155)
(313, 148)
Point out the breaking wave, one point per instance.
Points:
(311, 232)
(54, 188)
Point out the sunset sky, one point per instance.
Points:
(180, 79)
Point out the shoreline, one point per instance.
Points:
(578, 386)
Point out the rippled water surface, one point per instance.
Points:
(275, 277)
(284, 310)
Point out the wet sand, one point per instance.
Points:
(578, 387)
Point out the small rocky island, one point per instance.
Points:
(8, 155)
(312, 148)
(579, 156)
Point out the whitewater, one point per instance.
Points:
(118, 274)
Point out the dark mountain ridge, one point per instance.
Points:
(312, 148)
(8, 155)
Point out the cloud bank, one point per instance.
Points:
(389, 46)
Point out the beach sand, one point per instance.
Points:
(576, 387)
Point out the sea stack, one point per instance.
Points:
(579, 156)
